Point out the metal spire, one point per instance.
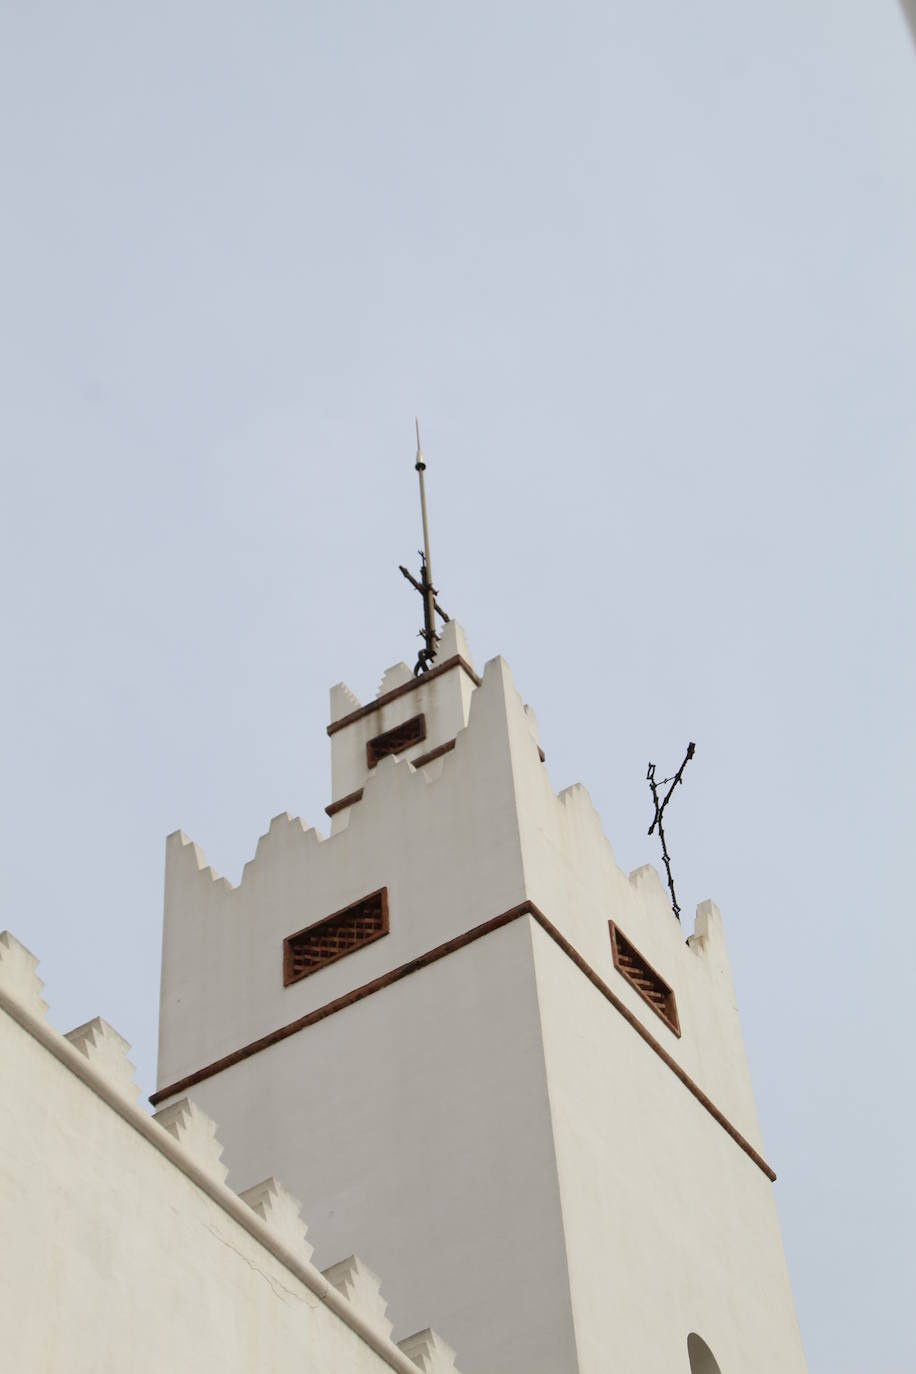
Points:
(425, 585)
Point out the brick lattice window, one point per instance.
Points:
(394, 741)
(334, 936)
(650, 985)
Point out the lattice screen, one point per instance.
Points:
(651, 987)
(394, 741)
(334, 936)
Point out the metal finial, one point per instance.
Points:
(425, 585)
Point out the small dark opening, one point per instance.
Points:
(640, 974)
(394, 741)
(334, 936)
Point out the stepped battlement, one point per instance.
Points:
(412, 718)
(86, 1076)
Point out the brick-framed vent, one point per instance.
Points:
(640, 974)
(334, 936)
(394, 741)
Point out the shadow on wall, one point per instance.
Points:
(909, 9)
(702, 1360)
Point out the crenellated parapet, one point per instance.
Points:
(261, 1223)
(410, 718)
(356, 1282)
(279, 1210)
(195, 1133)
(107, 1052)
(18, 975)
(429, 1352)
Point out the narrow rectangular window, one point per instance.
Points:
(650, 985)
(394, 741)
(334, 936)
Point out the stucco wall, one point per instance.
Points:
(444, 840)
(415, 1125)
(115, 1259)
(670, 1227)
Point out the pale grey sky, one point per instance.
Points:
(648, 274)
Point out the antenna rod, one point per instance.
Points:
(426, 572)
(424, 586)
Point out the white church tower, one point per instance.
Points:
(480, 1054)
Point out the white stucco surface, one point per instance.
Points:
(222, 948)
(418, 1120)
(123, 1250)
(670, 1228)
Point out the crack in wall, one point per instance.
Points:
(306, 1297)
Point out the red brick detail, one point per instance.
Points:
(396, 740)
(332, 808)
(432, 956)
(333, 936)
(436, 753)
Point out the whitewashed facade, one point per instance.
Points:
(123, 1248)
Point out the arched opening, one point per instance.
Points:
(702, 1360)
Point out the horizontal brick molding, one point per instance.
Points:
(334, 936)
(441, 952)
(455, 662)
(332, 808)
(641, 976)
(396, 740)
(420, 761)
(436, 753)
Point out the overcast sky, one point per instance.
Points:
(648, 274)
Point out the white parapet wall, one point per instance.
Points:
(123, 1249)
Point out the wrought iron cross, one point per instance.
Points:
(659, 809)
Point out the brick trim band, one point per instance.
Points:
(436, 753)
(433, 956)
(332, 808)
(455, 662)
